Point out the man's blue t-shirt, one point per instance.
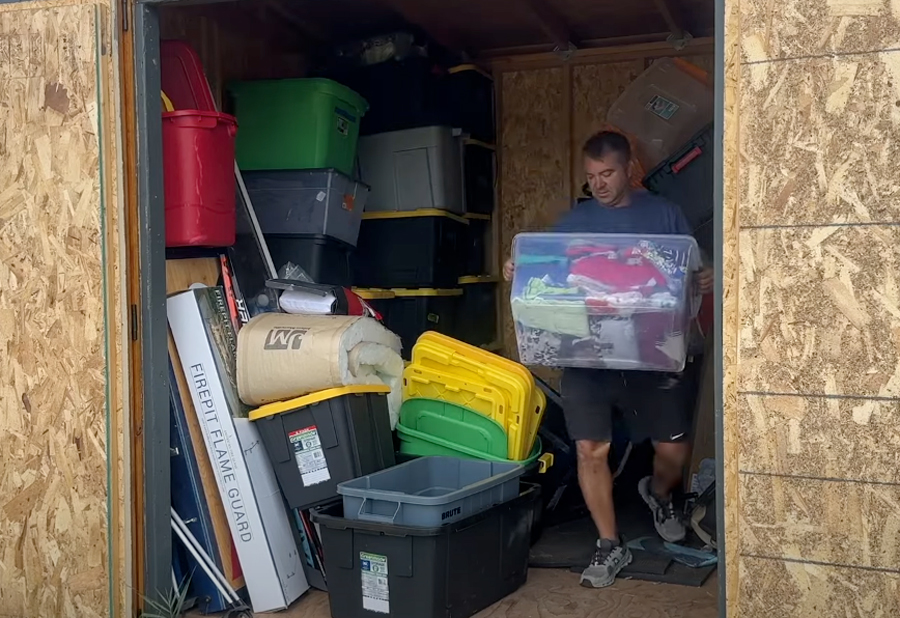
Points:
(647, 214)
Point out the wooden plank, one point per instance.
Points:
(595, 87)
(534, 172)
(779, 589)
(227, 51)
(608, 53)
(729, 328)
(181, 275)
(58, 326)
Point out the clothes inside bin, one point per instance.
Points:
(604, 300)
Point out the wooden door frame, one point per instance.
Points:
(145, 232)
(151, 378)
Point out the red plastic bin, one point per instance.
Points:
(198, 171)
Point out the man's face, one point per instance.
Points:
(609, 179)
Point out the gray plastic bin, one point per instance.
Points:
(413, 169)
(430, 491)
(307, 202)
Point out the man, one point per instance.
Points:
(655, 405)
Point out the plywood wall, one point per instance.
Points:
(545, 113)
(61, 378)
(231, 48)
(813, 316)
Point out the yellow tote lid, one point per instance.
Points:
(478, 279)
(408, 214)
(477, 142)
(460, 68)
(271, 409)
(402, 292)
(373, 293)
(476, 216)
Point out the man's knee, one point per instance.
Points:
(673, 453)
(591, 451)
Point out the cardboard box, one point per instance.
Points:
(204, 337)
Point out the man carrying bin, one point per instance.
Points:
(657, 403)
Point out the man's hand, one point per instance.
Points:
(705, 279)
(508, 269)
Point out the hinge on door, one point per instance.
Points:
(134, 323)
(126, 7)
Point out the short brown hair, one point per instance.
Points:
(601, 144)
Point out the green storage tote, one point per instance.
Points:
(294, 124)
(455, 424)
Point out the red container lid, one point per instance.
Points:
(183, 79)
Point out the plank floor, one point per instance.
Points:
(551, 593)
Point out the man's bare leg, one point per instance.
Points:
(595, 479)
(656, 490)
(668, 467)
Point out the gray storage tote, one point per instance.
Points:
(430, 491)
(307, 202)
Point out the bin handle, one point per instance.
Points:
(388, 519)
(167, 103)
(545, 462)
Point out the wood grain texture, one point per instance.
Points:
(793, 28)
(229, 53)
(60, 345)
(821, 310)
(835, 522)
(814, 436)
(777, 589)
(730, 278)
(534, 163)
(821, 140)
(595, 87)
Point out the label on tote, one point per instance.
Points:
(664, 108)
(309, 455)
(374, 575)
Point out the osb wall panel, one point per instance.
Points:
(595, 87)
(59, 320)
(228, 53)
(534, 162)
(819, 311)
(730, 286)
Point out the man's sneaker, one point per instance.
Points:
(608, 560)
(668, 524)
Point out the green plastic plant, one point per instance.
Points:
(172, 604)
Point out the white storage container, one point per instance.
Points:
(662, 109)
(608, 301)
(413, 169)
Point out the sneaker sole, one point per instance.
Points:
(585, 583)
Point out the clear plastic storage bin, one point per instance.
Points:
(662, 109)
(609, 301)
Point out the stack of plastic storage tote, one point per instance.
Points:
(686, 179)
(462, 401)
(413, 230)
(477, 323)
(612, 301)
(297, 148)
(663, 108)
(198, 155)
(320, 440)
(417, 91)
(402, 541)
